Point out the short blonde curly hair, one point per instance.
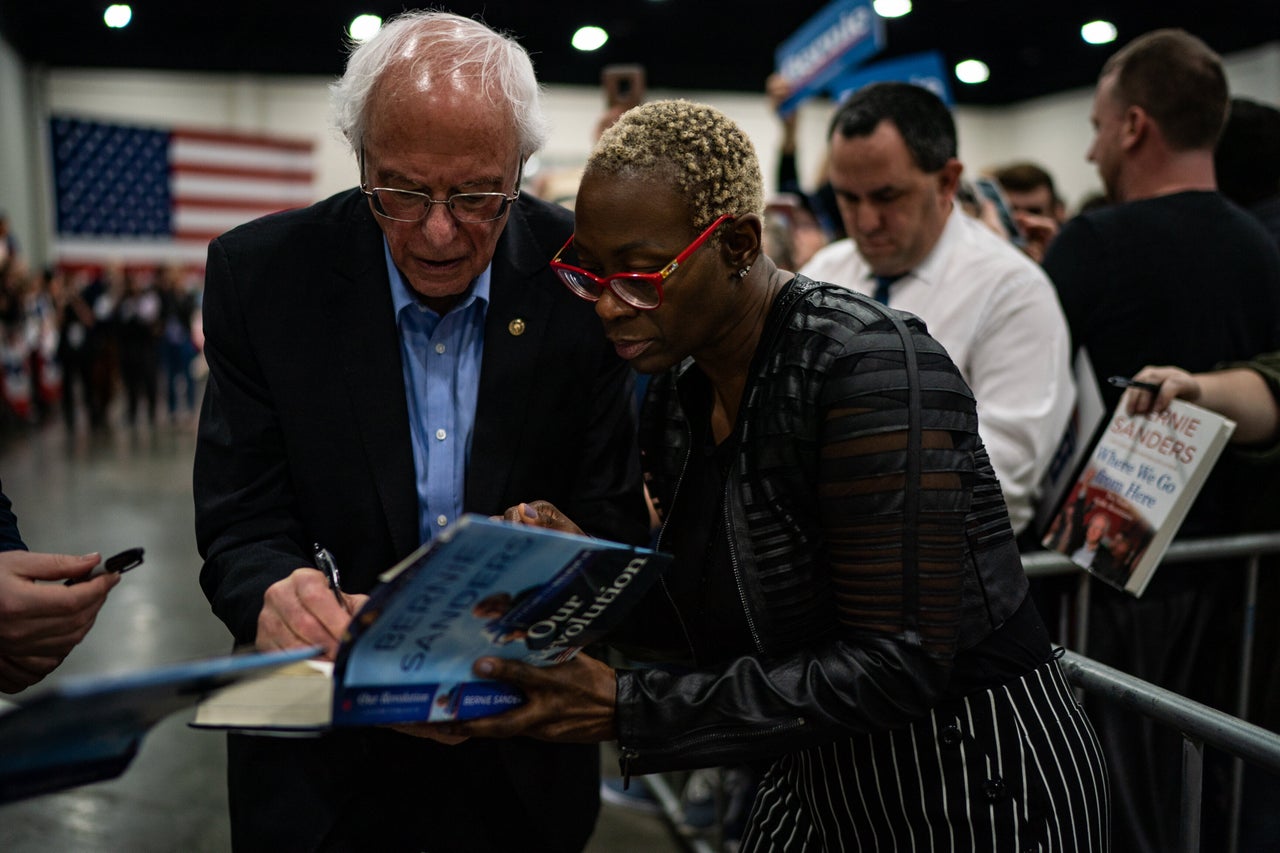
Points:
(710, 160)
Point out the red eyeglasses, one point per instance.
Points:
(641, 290)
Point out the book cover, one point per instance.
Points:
(1087, 416)
(482, 588)
(1137, 486)
(89, 728)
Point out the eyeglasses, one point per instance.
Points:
(641, 290)
(410, 206)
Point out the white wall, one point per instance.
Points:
(19, 194)
(1053, 130)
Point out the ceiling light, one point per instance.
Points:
(892, 8)
(1098, 32)
(117, 15)
(972, 71)
(589, 38)
(364, 27)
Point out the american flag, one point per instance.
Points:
(145, 195)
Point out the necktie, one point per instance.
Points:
(882, 288)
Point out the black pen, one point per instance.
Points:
(1126, 382)
(328, 565)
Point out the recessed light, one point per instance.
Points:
(117, 16)
(1098, 32)
(892, 8)
(364, 27)
(972, 71)
(589, 38)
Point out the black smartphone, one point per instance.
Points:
(991, 191)
(120, 563)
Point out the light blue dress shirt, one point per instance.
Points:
(441, 358)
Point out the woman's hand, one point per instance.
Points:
(572, 702)
(541, 514)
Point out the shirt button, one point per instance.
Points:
(995, 789)
(441, 520)
(440, 434)
(440, 348)
(950, 736)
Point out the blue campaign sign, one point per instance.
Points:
(840, 36)
(922, 69)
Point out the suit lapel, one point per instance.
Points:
(362, 321)
(515, 326)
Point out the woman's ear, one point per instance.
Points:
(740, 241)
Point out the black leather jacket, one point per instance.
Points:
(869, 543)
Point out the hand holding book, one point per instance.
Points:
(571, 702)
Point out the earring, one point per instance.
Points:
(742, 273)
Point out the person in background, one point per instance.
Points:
(821, 201)
(1169, 273)
(41, 622)
(1247, 161)
(137, 319)
(75, 320)
(1037, 208)
(830, 611)
(380, 363)
(1248, 392)
(177, 312)
(895, 173)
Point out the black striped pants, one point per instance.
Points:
(1016, 768)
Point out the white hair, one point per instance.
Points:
(450, 44)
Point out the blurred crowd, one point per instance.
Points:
(96, 346)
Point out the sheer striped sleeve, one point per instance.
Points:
(895, 488)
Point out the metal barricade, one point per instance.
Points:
(1250, 548)
(1199, 725)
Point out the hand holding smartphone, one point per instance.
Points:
(120, 563)
(990, 190)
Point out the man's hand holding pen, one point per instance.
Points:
(307, 608)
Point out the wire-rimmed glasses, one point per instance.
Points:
(411, 206)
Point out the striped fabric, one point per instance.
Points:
(1016, 768)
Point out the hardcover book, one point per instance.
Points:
(481, 588)
(1135, 490)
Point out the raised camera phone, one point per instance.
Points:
(623, 85)
(990, 190)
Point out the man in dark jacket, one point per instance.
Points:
(380, 363)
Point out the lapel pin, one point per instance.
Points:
(516, 327)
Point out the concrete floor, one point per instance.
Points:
(123, 489)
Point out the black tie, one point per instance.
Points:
(882, 287)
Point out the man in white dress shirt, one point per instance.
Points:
(894, 170)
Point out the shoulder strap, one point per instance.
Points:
(911, 494)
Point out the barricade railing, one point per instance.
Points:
(1199, 725)
(1249, 548)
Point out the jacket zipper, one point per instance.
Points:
(657, 545)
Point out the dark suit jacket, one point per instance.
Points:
(304, 437)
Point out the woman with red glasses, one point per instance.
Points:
(847, 600)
